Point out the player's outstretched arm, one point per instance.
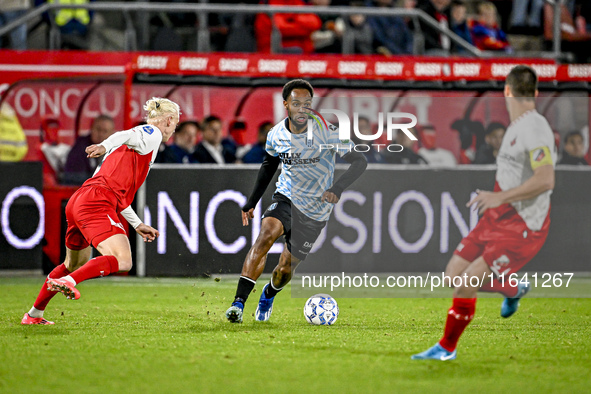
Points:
(265, 176)
(357, 167)
(541, 181)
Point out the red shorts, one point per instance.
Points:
(503, 239)
(92, 217)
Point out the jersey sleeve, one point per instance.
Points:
(269, 146)
(539, 144)
(143, 139)
(341, 147)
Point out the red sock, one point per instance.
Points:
(459, 316)
(99, 266)
(494, 286)
(44, 295)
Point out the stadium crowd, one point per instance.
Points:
(496, 25)
(211, 141)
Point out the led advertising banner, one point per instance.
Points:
(392, 219)
(22, 215)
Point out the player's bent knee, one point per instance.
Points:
(124, 265)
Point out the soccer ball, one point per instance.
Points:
(321, 309)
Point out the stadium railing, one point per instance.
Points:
(202, 12)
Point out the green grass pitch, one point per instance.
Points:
(170, 335)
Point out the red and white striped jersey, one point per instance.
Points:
(126, 164)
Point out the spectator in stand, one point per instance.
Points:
(364, 127)
(391, 35)
(357, 35)
(235, 142)
(55, 152)
(435, 43)
(407, 155)
(257, 153)
(459, 24)
(327, 39)
(295, 29)
(493, 137)
(486, 33)
(9, 11)
(574, 149)
(181, 151)
(574, 37)
(210, 150)
(78, 166)
(435, 157)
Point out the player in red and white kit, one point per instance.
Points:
(516, 215)
(92, 212)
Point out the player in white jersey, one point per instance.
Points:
(303, 200)
(516, 215)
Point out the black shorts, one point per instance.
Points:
(301, 236)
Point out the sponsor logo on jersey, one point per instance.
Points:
(308, 245)
(295, 159)
(148, 129)
(539, 155)
(272, 206)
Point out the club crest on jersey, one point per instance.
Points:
(309, 142)
(513, 142)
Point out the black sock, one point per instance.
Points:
(270, 291)
(245, 286)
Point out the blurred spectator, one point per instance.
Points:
(436, 157)
(78, 167)
(408, 154)
(257, 153)
(236, 143)
(73, 24)
(364, 128)
(54, 151)
(295, 29)
(526, 17)
(210, 149)
(181, 151)
(574, 149)
(9, 11)
(459, 24)
(327, 39)
(487, 152)
(357, 35)
(486, 33)
(471, 133)
(435, 43)
(391, 35)
(575, 39)
(13, 141)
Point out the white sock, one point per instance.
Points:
(70, 279)
(34, 312)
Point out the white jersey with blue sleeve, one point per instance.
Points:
(307, 165)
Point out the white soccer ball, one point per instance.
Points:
(321, 309)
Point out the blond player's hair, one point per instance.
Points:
(158, 106)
